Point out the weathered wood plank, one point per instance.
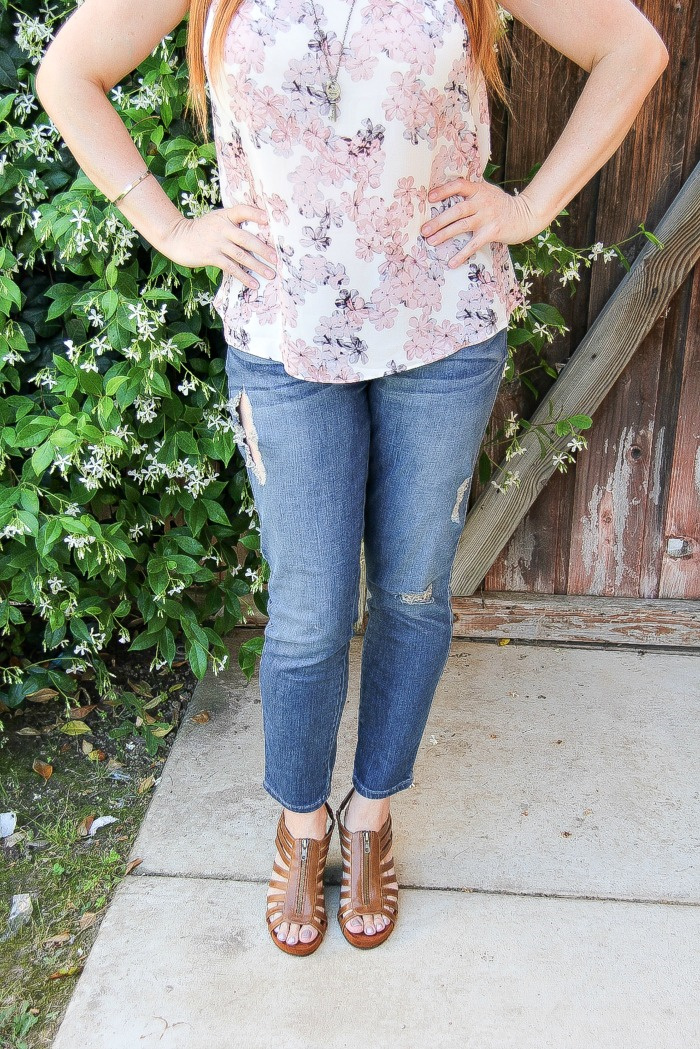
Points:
(621, 480)
(587, 378)
(536, 557)
(680, 546)
(638, 182)
(565, 618)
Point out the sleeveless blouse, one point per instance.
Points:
(358, 292)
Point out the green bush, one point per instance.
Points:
(124, 502)
(125, 510)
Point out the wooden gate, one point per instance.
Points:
(611, 549)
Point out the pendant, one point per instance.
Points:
(332, 91)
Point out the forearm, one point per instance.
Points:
(98, 139)
(604, 112)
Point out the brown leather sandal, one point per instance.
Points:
(369, 883)
(297, 894)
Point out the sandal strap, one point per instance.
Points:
(368, 884)
(295, 893)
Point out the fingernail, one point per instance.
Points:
(270, 273)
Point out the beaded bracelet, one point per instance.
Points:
(131, 185)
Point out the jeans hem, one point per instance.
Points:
(375, 795)
(293, 808)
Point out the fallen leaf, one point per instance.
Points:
(83, 827)
(161, 730)
(201, 718)
(28, 731)
(57, 940)
(14, 839)
(140, 689)
(42, 768)
(154, 702)
(131, 864)
(114, 764)
(86, 920)
(504, 641)
(86, 747)
(72, 971)
(42, 696)
(81, 712)
(75, 728)
(145, 784)
(96, 755)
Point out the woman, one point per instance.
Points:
(366, 295)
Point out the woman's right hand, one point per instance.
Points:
(216, 239)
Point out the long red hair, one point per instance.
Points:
(482, 19)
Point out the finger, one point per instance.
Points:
(246, 212)
(465, 225)
(234, 251)
(458, 211)
(245, 239)
(229, 266)
(462, 186)
(468, 250)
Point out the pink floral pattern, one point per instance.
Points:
(358, 292)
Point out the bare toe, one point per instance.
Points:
(369, 925)
(293, 934)
(356, 924)
(282, 931)
(307, 934)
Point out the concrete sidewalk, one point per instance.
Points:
(547, 853)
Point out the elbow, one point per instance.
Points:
(43, 79)
(662, 56)
(655, 53)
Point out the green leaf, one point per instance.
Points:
(186, 443)
(216, 513)
(42, 458)
(197, 656)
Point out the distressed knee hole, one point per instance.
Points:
(417, 599)
(461, 493)
(249, 436)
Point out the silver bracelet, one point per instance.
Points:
(131, 185)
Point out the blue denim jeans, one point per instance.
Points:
(390, 459)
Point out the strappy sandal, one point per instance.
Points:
(297, 890)
(368, 884)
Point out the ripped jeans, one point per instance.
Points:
(390, 459)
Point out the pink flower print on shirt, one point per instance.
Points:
(358, 292)
(382, 314)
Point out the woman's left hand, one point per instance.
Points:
(487, 212)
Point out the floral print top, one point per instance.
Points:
(358, 291)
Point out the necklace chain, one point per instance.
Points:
(331, 87)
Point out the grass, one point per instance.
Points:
(69, 874)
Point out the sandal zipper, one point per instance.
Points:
(302, 873)
(365, 869)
